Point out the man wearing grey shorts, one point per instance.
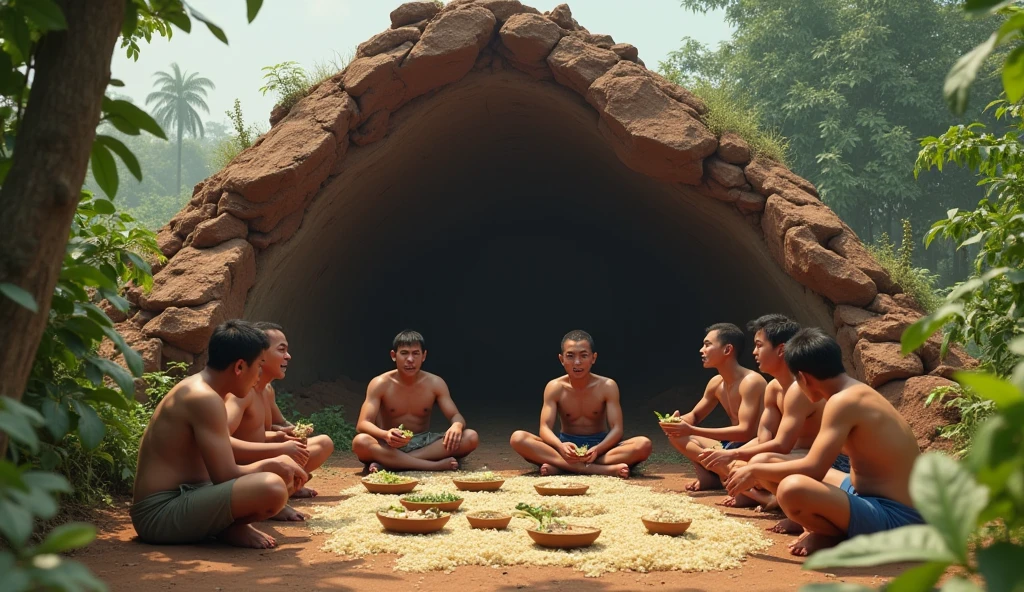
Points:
(405, 397)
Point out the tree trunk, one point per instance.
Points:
(181, 132)
(39, 197)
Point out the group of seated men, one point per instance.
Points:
(827, 450)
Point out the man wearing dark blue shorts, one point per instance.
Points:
(587, 407)
(856, 420)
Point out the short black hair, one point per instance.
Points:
(814, 352)
(235, 340)
(578, 335)
(728, 334)
(407, 338)
(268, 326)
(778, 328)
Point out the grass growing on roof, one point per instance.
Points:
(714, 541)
(728, 112)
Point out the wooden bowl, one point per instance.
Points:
(545, 489)
(411, 526)
(669, 423)
(389, 487)
(479, 522)
(668, 528)
(478, 485)
(443, 506)
(565, 540)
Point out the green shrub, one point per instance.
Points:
(331, 421)
(728, 111)
(973, 410)
(916, 281)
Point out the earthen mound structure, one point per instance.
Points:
(496, 176)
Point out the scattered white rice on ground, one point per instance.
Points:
(713, 542)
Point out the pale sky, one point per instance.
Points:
(310, 31)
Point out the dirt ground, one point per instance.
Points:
(299, 564)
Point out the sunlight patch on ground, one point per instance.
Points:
(713, 542)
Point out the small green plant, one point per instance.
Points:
(405, 433)
(973, 411)
(230, 147)
(668, 418)
(582, 450)
(288, 81)
(544, 516)
(158, 384)
(916, 281)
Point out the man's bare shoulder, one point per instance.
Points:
(431, 380)
(773, 390)
(195, 395)
(753, 379)
(556, 385)
(716, 381)
(380, 381)
(605, 385)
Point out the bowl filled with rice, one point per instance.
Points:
(557, 535)
(399, 519)
(559, 487)
(666, 522)
(485, 481)
(489, 519)
(388, 482)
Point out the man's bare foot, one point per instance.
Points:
(374, 467)
(289, 514)
(786, 526)
(740, 501)
(771, 506)
(305, 492)
(244, 535)
(813, 542)
(704, 484)
(620, 470)
(547, 470)
(446, 464)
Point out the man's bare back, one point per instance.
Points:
(163, 467)
(881, 446)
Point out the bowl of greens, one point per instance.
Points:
(444, 501)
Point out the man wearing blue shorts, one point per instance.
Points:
(587, 407)
(857, 420)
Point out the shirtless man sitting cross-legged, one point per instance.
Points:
(799, 425)
(587, 407)
(406, 396)
(253, 436)
(741, 394)
(188, 487)
(770, 334)
(875, 496)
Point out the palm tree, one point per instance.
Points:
(178, 96)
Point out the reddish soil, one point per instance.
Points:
(299, 564)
